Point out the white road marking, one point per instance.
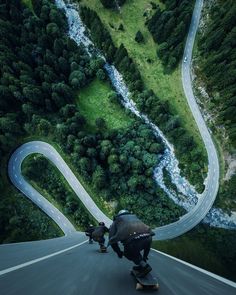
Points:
(219, 278)
(19, 266)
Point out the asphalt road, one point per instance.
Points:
(83, 270)
(14, 172)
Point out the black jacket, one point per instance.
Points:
(99, 232)
(126, 227)
(89, 230)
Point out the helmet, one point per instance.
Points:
(123, 211)
(91, 225)
(101, 223)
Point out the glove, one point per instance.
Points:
(120, 254)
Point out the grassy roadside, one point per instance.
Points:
(93, 103)
(203, 247)
(165, 86)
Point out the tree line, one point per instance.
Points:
(190, 155)
(42, 70)
(169, 28)
(217, 63)
(51, 182)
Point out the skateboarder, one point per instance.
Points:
(88, 233)
(135, 236)
(98, 235)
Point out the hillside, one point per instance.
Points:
(115, 110)
(214, 67)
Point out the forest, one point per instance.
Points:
(169, 28)
(215, 66)
(55, 186)
(217, 47)
(42, 71)
(193, 162)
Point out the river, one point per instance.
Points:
(187, 197)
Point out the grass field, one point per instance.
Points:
(93, 103)
(165, 86)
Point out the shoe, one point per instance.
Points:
(144, 271)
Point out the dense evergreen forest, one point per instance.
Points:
(56, 187)
(42, 71)
(217, 47)
(215, 67)
(169, 28)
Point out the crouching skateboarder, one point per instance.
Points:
(88, 233)
(98, 235)
(135, 236)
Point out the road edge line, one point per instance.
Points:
(211, 274)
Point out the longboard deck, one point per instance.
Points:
(148, 282)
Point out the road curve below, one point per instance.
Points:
(14, 172)
(185, 223)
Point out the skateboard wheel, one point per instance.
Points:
(156, 287)
(139, 286)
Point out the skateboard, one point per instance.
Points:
(148, 282)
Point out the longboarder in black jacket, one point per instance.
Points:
(88, 233)
(135, 236)
(98, 234)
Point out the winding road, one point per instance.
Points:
(68, 265)
(185, 223)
